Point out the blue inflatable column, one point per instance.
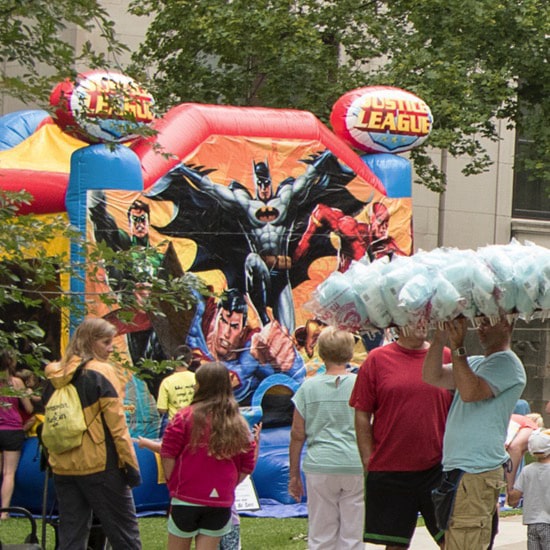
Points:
(393, 171)
(106, 168)
(95, 167)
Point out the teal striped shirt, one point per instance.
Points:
(323, 402)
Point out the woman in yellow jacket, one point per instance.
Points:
(96, 476)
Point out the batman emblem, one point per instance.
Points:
(267, 214)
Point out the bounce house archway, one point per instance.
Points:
(204, 197)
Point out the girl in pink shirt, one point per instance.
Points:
(207, 450)
(12, 434)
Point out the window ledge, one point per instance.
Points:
(537, 231)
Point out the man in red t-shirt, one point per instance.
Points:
(400, 421)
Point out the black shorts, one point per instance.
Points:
(393, 501)
(11, 440)
(191, 520)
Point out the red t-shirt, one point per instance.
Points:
(409, 415)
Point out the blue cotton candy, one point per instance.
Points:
(499, 262)
(394, 281)
(367, 283)
(446, 303)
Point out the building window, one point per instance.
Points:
(531, 199)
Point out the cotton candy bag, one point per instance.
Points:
(500, 263)
(459, 273)
(446, 303)
(543, 264)
(484, 289)
(367, 280)
(395, 277)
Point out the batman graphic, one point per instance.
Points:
(251, 237)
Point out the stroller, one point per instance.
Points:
(31, 540)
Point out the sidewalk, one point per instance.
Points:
(512, 535)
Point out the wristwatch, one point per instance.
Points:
(460, 352)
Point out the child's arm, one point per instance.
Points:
(257, 428)
(297, 441)
(256, 432)
(25, 401)
(151, 444)
(168, 464)
(29, 423)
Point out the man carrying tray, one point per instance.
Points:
(487, 388)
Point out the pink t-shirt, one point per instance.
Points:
(10, 415)
(409, 415)
(199, 478)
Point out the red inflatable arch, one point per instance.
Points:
(40, 163)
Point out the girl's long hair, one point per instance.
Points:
(87, 333)
(216, 410)
(8, 362)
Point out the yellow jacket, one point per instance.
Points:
(107, 442)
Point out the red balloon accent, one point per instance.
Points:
(60, 98)
(101, 106)
(381, 119)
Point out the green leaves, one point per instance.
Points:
(32, 39)
(34, 270)
(472, 61)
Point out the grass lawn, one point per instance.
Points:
(256, 533)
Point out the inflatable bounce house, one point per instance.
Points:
(262, 204)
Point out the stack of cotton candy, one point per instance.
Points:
(460, 284)
(428, 293)
(365, 297)
(437, 286)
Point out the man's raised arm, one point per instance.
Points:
(434, 372)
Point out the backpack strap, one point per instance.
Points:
(76, 374)
(79, 369)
